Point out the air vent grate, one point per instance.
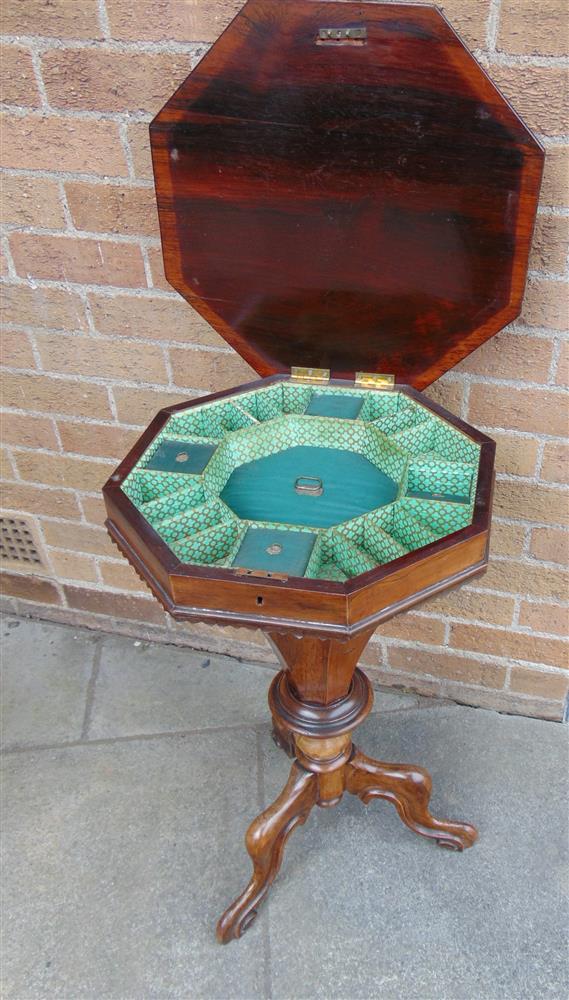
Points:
(17, 543)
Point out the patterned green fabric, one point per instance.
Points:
(419, 451)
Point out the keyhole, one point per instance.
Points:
(260, 600)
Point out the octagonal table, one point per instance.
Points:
(348, 201)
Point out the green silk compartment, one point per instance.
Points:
(177, 456)
(395, 478)
(342, 407)
(275, 551)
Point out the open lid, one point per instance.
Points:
(341, 186)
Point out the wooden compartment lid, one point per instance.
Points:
(341, 186)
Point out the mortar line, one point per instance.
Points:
(136, 737)
(90, 696)
(259, 728)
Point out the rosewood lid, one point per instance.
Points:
(341, 186)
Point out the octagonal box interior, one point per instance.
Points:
(349, 201)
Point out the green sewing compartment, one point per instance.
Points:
(292, 479)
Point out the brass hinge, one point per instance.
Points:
(371, 380)
(319, 375)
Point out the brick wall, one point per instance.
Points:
(95, 341)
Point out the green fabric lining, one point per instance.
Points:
(265, 489)
(379, 469)
(275, 551)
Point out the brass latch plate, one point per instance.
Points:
(317, 375)
(372, 380)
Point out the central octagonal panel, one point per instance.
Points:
(311, 486)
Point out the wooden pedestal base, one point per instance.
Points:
(318, 735)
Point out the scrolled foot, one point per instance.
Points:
(409, 789)
(265, 841)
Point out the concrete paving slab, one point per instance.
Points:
(120, 855)
(146, 688)
(45, 677)
(118, 860)
(365, 908)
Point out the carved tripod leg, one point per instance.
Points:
(409, 789)
(265, 841)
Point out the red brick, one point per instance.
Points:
(550, 544)
(18, 82)
(16, 350)
(139, 143)
(139, 406)
(6, 467)
(93, 80)
(113, 208)
(550, 244)
(73, 144)
(506, 539)
(414, 628)
(31, 201)
(539, 683)
(29, 588)
(469, 17)
(27, 499)
(538, 410)
(99, 440)
(94, 511)
(546, 304)
(447, 665)
(460, 603)
(538, 93)
(531, 503)
(509, 644)
(115, 605)
(177, 20)
(79, 538)
(156, 318)
(209, 370)
(530, 28)
(72, 473)
(555, 465)
(54, 18)
(512, 577)
(159, 279)
(102, 358)
(121, 576)
(47, 307)
(372, 655)
(447, 394)
(554, 188)
(66, 258)
(73, 566)
(545, 618)
(562, 376)
(511, 355)
(31, 432)
(495, 700)
(515, 455)
(48, 395)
